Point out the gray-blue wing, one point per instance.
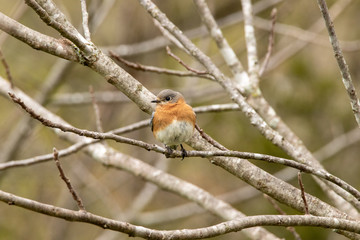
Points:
(151, 121)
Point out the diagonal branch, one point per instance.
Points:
(85, 20)
(344, 69)
(74, 194)
(153, 69)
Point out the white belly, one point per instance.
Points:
(176, 133)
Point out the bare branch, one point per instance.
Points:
(344, 69)
(303, 193)
(85, 20)
(74, 194)
(153, 69)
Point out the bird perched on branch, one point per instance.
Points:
(173, 121)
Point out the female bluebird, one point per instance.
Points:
(173, 121)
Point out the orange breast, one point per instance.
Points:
(166, 113)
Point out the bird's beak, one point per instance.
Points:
(156, 101)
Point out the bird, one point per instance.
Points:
(173, 121)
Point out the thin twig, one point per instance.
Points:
(306, 208)
(168, 51)
(344, 69)
(271, 42)
(158, 70)
(7, 69)
(85, 20)
(67, 181)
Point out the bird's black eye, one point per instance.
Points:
(167, 98)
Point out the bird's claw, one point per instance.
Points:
(183, 152)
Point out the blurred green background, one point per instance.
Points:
(303, 86)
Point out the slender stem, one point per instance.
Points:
(303, 193)
(85, 20)
(344, 69)
(74, 194)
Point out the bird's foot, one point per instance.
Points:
(183, 152)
